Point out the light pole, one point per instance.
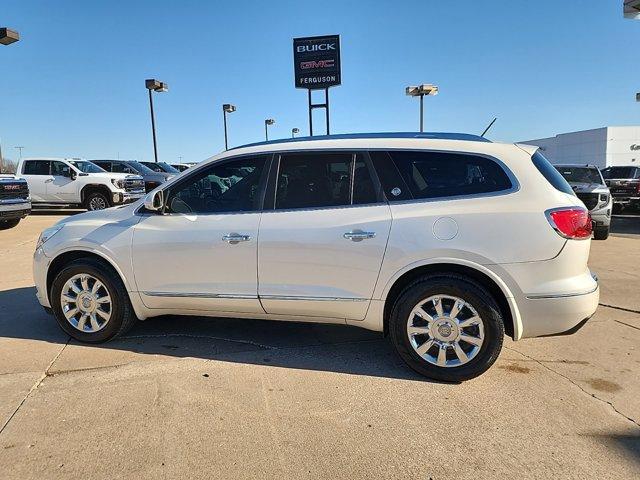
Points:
(267, 122)
(156, 86)
(294, 131)
(20, 148)
(421, 91)
(227, 108)
(7, 37)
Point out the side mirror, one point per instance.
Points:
(72, 174)
(154, 201)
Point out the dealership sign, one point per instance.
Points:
(317, 62)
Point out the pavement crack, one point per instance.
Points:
(613, 407)
(631, 310)
(35, 386)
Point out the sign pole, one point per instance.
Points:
(310, 115)
(326, 102)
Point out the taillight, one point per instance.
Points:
(570, 222)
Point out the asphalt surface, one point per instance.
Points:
(214, 398)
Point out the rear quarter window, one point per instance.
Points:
(449, 174)
(549, 172)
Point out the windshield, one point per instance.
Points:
(140, 167)
(86, 167)
(580, 174)
(168, 168)
(621, 172)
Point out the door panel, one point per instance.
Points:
(306, 266)
(181, 261)
(61, 188)
(37, 175)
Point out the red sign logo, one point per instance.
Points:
(317, 64)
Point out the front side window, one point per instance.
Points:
(314, 180)
(444, 174)
(36, 167)
(60, 169)
(232, 186)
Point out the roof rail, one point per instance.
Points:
(352, 136)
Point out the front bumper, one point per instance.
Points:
(40, 267)
(127, 197)
(12, 210)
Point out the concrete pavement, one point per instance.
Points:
(203, 398)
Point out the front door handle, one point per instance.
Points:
(234, 238)
(358, 235)
(48, 180)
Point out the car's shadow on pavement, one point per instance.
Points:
(308, 346)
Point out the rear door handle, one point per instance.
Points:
(48, 180)
(234, 238)
(358, 235)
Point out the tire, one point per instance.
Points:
(601, 233)
(477, 303)
(7, 224)
(96, 201)
(121, 318)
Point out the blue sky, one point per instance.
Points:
(74, 84)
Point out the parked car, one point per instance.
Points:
(624, 183)
(445, 242)
(151, 179)
(76, 182)
(589, 186)
(161, 167)
(15, 202)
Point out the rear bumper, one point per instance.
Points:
(557, 315)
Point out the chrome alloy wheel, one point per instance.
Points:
(86, 303)
(97, 203)
(445, 331)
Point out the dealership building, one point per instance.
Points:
(603, 147)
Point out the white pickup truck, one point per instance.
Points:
(15, 203)
(76, 182)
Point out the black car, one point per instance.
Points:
(624, 183)
(151, 179)
(161, 167)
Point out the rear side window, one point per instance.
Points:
(314, 180)
(444, 174)
(552, 175)
(36, 167)
(105, 165)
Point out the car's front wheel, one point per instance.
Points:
(7, 224)
(96, 201)
(90, 301)
(447, 327)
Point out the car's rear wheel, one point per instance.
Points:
(447, 327)
(96, 201)
(601, 233)
(90, 301)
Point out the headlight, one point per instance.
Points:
(47, 234)
(118, 183)
(604, 197)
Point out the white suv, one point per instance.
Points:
(444, 241)
(64, 181)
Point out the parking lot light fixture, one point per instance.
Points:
(227, 108)
(8, 36)
(154, 85)
(267, 122)
(638, 97)
(294, 131)
(421, 91)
